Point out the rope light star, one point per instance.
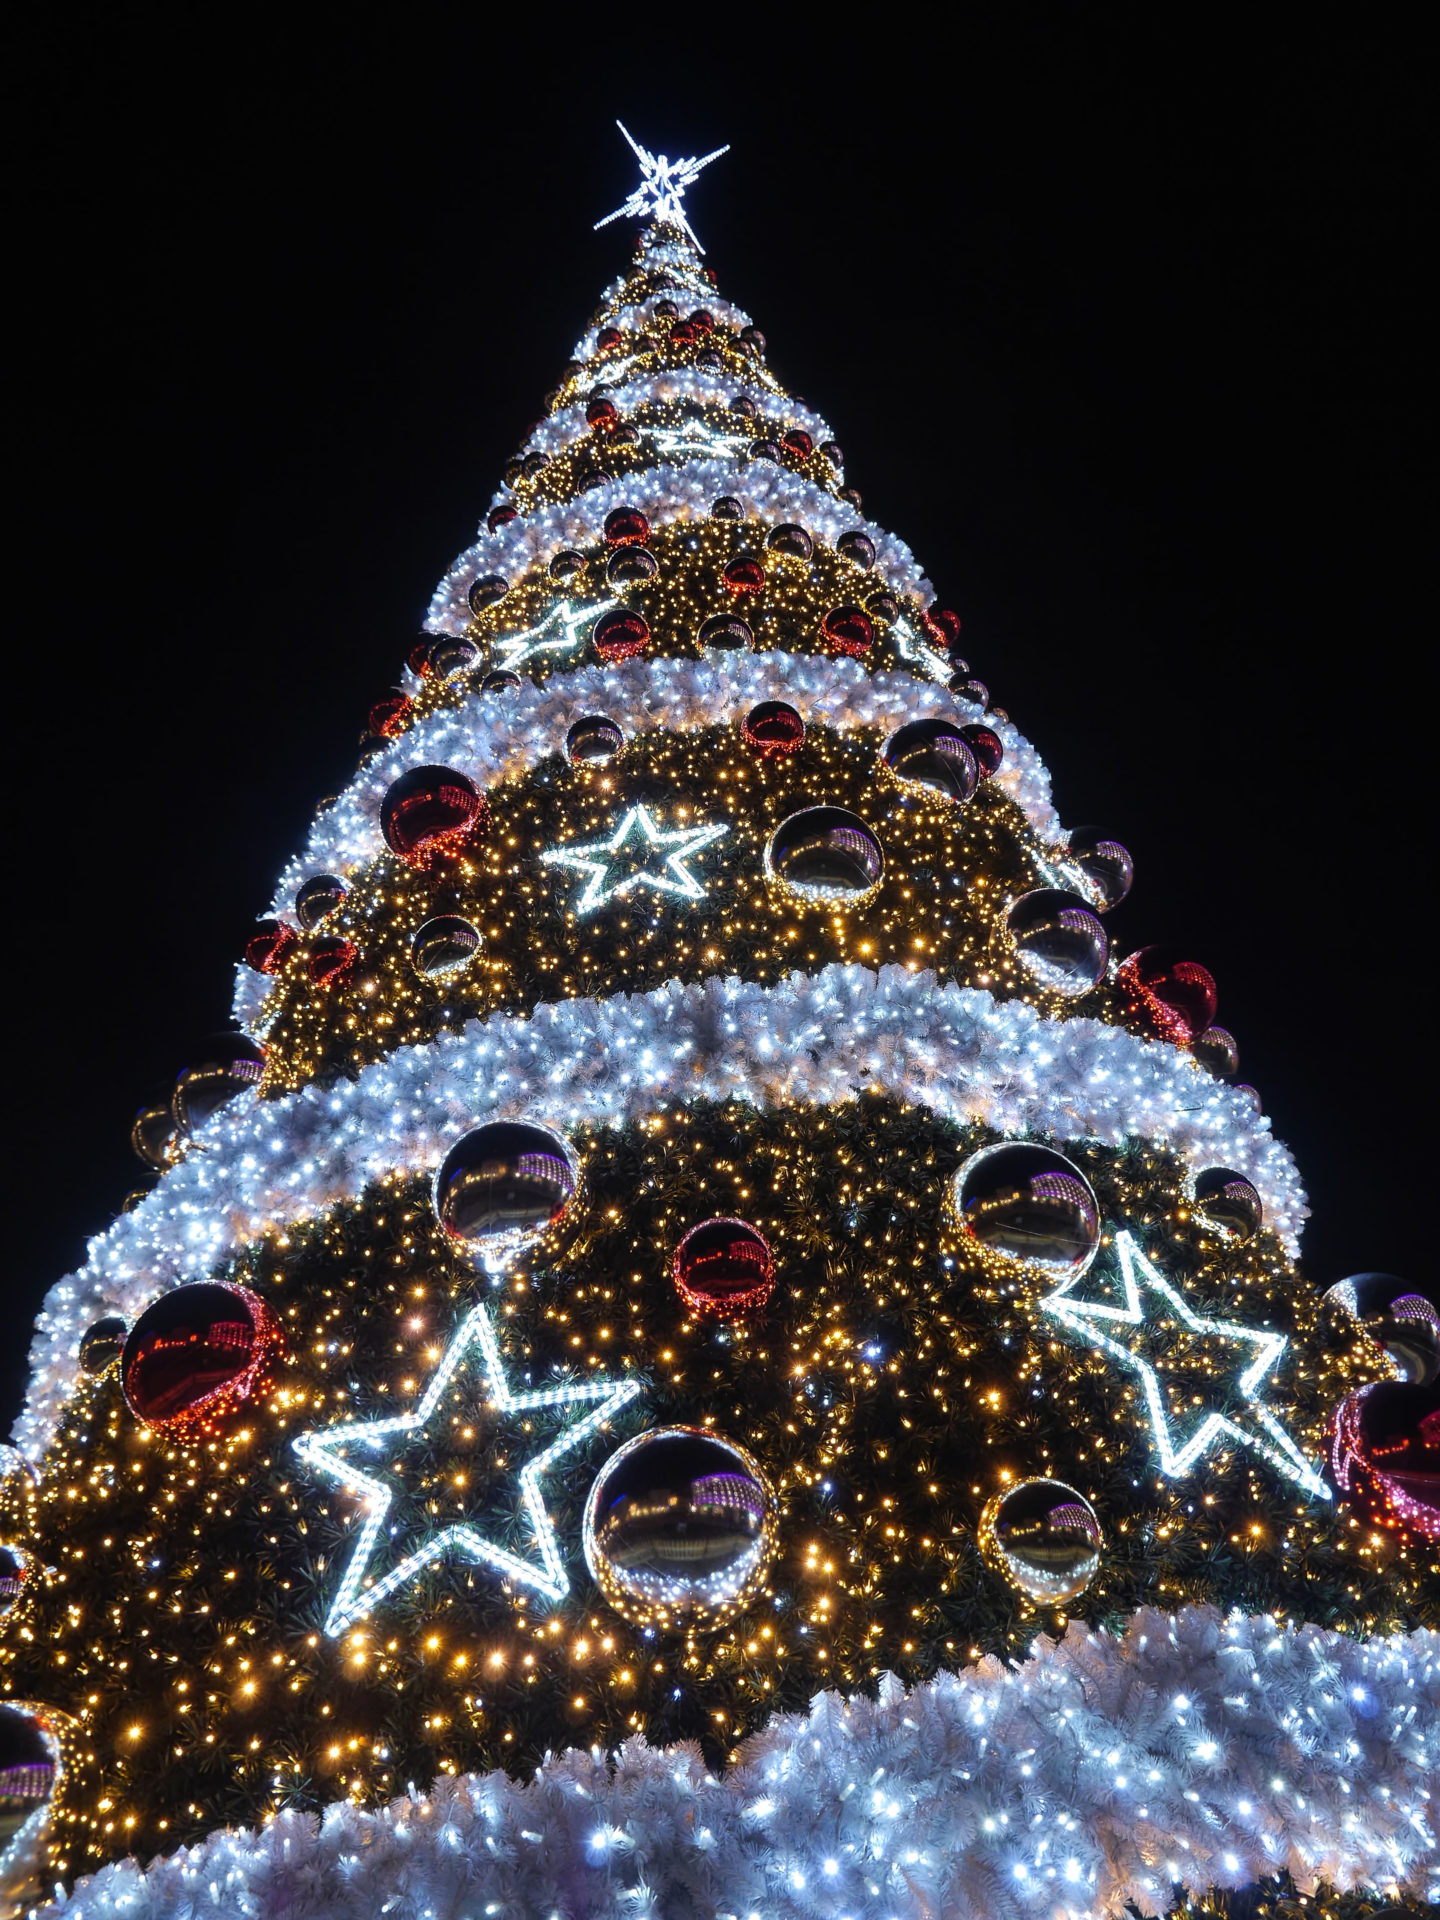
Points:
(693, 436)
(1121, 1332)
(662, 187)
(638, 854)
(384, 1440)
(564, 621)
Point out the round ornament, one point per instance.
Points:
(452, 655)
(825, 853)
(500, 517)
(852, 494)
(724, 1269)
(744, 574)
(626, 526)
(152, 1135)
(102, 1342)
(682, 334)
(743, 404)
(270, 946)
(645, 343)
(330, 959)
(628, 566)
(1059, 939)
(709, 360)
(624, 435)
(792, 539)
(933, 754)
(764, 449)
(592, 479)
(1229, 1201)
(502, 1184)
(566, 564)
(196, 1352)
(12, 1578)
(320, 894)
(391, 715)
(727, 633)
(534, 463)
(489, 588)
(773, 728)
(1385, 1455)
(942, 628)
(1250, 1095)
(974, 692)
(848, 630)
(500, 680)
(444, 946)
(1106, 865)
(665, 310)
(987, 747)
(834, 453)
(600, 413)
(418, 658)
(620, 634)
(726, 507)
(607, 339)
(883, 606)
(593, 738)
(1044, 1537)
(798, 443)
(1398, 1318)
(753, 338)
(680, 1528)
(428, 810)
(702, 320)
(1217, 1052)
(856, 547)
(1030, 1202)
(1173, 996)
(28, 1757)
(224, 1065)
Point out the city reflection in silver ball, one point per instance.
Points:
(1044, 1537)
(1107, 866)
(1030, 1202)
(1400, 1319)
(1229, 1201)
(825, 853)
(1060, 940)
(443, 946)
(502, 1184)
(680, 1528)
(933, 754)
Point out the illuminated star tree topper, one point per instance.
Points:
(661, 189)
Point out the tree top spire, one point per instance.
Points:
(662, 188)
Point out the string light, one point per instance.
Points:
(569, 625)
(675, 845)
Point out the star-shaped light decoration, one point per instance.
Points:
(695, 437)
(911, 647)
(567, 625)
(638, 854)
(1122, 1331)
(381, 1442)
(662, 187)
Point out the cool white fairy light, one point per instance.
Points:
(662, 188)
(568, 425)
(325, 1450)
(693, 436)
(673, 846)
(1092, 1318)
(569, 625)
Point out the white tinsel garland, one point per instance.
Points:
(639, 316)
(564, 428)
(494, 735)
(808, 1040)
(1194, 1750)
(666, 494)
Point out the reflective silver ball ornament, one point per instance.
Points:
(1044, 1537)
(1060, 940)
(1398, 1318)
(503, 1184)
(1031, 1203)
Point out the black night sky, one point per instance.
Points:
(1117, 315)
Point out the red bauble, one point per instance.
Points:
(682, 333)
(773, 728)
(798, 442)
(429, 809)
(620, 634)
(391, 715)
(744, 574)
(626, 526)
(270, 946)
(1175, 998)
(702, 321)
(196, 1353)
(607, 339)
(418, 658)
(724, 1269)
(330, 958)
(942, 628)
(849, 630)
(600, 413)
(1385, 1455)
(500, 517)
(987, 747)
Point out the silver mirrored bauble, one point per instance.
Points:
(12, 1577)
(825, 853)
(1044, 1537)
(1398, 1318)
(1060, 940)
(934, 754)
(443, 946)
(102, 1343)
(1031, 1203)
(1229, 1201)
(1108, 869)
(680, 1528)
(593, 738)
(1217, 1052)
(320, 894)
(502, 1184)
(224, 1065)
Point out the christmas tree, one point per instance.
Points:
(706, 1347)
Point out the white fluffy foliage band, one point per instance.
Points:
(1194, 1750)
(491, 736)
(667, 494)
(567, 426)
(813, 1040)
(639, 316)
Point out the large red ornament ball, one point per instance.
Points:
(987, 747)
(682, 333)
(222, 1066)
(608, 339)
(500, 516)
(744, 574)
(1175, 998)
(798, 442)
(196, 1353)
(270, 946)
(391, 715)
(620, 634)
(848, 630)
(429, 809)
(1385, 1455)
(702, 320)
(626, 526)
(773, 728)
(600, 413)
(724, 1269)
(330, 959)
(942, 628)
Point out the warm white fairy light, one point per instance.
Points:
(639, 853)
(662, 188)
(1107, 1326)
(326, 1449)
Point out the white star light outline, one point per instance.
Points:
(353, 1601)
(911, 647)
(695, 437)
(513, 648)
(1090, 1318)
(661, 189)
(683, 843)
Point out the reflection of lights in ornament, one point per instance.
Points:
(14, 1564)
(1229, 1201)
(502, 1184)
(727, 633)
(662, 188)
(152, 1135)
(429, 809)
(1175, 997)
(1400, 1319)
(444, 946)
(321, 894)
(331, 959)
(1108, 869)
(724, 1269)
(31, 1770)
(226, 1064)
(825, 853)
(325, 1450)
(1030, 1202)
(933, 754)
(564, 629)
(1217, 1052)
(638, 854)
(1044, 1537)
(773, 728)
(987, 747)
(195, 1353)
(1106, 1326)
(593, 738)
(270, 946)
(101, 1343)
(680, 1527)
(1060, 940)
(1385, 1454)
